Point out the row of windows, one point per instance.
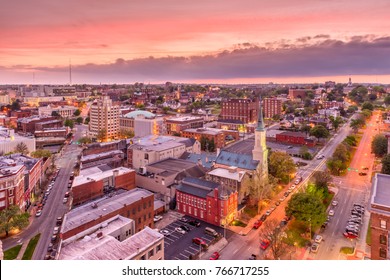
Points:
(152, 252)
(195, 213)
(190, 200)
(134, 209)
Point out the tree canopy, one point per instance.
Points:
(379, 145)
(386, 164)
(77, 112)
(69, 123)
(13, 218)
(21, 148)
(322, 178)
(281, 166)
(319, 131)
(368, 106)
(41, 153)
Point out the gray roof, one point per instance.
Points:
(206, 159)
(380, 193)
(239, 154)
(230, 121)
(197, 187)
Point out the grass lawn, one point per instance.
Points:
(31, 247)
(12, 253)
(238, 223)
(346, 250)
(368, 237)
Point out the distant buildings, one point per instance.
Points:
(295, 138)
(104, 119)
(380, 217)
(9, 140)
(244, 110)
(28, 125)
(63, 111)
(206, 200)
(142, 123)
(297, 94)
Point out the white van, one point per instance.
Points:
(210, 231)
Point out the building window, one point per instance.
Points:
(383, 224)
(139, 220)
(10, 201)
(139, 208)
(150, 254)
(178, 206)
(144, 205)
(11, 192)
(382, 253)
(382, 239)
(184, 208)
(133, 211)
(143, 257)
(158, 248)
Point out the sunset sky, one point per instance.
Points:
(255, 41)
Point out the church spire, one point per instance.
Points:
(260, 121)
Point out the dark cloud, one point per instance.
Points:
(358, 56)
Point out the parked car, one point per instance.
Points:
(268, 212)
(263, 217)
(331, 213)
(54, 237)
(50, 247)
(59, 221)
(165, 232)
(215, 256)
(253, 257)
(277, 203)
(264, 244)
(184, 227)
(157, 218)
(199, 241)
(283, 223)
(320, 156)
(314, 247)
(362, 173)
(350, 235)
(257, 224)
(56, 230)
(65, 200)
(180, 230)
(335, 202)
(38, 213)
(194, 223)
(67, 194)
(183, 219)
(318, 238)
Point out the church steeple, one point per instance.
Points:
(260, 121)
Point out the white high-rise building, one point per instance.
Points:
(104, 119)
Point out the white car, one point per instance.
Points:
(180, 230)
(165, 232)
(39, 213)
(331, 213)
(157, 218)
(335, 202)
(318, 238)
(65, 200)
(56, 230)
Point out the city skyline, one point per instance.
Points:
(206, 41)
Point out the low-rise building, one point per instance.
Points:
(220, 137)
(295, 138)
(136, 204)
(63, 111)
(9, 140)
(297, 94)
(102, 147)
(96, 181)
(272, 107)
(380, 217)
(28, 125)
(178, 124)
(12, 184)
(114, 240)
(142, 123)
(206, 201)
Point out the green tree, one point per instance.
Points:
(336, 122)
(350, 140)
(69, 123)
(356, 124)
(166, 110)
(41, 154)
(15, 106)
(21, 148)
(79, 120)
(126, 133)
(272, 232)
(387, 100)
(281, 166)
(322, 179)
(379, 145)
(342, 153)
(13, 218)
(86, 121)
(352, 109)
(386, 164)
(306, 129)
(77, 113)
(101, 135)
(307, 208)
(85, 140)
(368, 106)
(336, 166)
(319, 131)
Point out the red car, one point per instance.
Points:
(350, 235)
(214, 256)
(257, 224)
(264, 244)
(199, 241)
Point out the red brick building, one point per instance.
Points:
(296, 138)
(206, 201)
(136, 204)
(30, 124)
(94, 182)
(179, 124)
(11, 185)
(272, 107)
(294, 94)
(244, 110)
(380, 217)
(219, 136)
(332, 104)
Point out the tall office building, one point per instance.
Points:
(104, 119)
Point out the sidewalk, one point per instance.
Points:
(23, 249)
(217, 247)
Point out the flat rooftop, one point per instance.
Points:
(100, 155)
(380, 193)
(86, 213)
(172, 164)
(109, 248)
(185, 119)
(97, 174)
(229, 174)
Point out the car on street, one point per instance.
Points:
(362, 173)
(318, 238)
(257, 224)
(268, 212)
(289, 147)
(331, 213)
(293, 187)
(314, 247)
(56, 230)
(286, 194)
(356, 213)
(67, 194)
(165, 232)
(263, 217)
(320, 156)
(50, 247)
(38, 213)
(264, 244)
(335, 203)
(184, 219)
(355, 221)
(199, 241)
(215, 256)
(65, 200)
(54, 237)
(365, 168)
(180, 230)
(157, 218)
(283, 223)
(282, 198)
(253, 257)
(184, 227)
(277, 203)
(297, 180)
(194, 223)
(59, 221)
(350, 235)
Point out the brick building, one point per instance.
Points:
(220, 137)
(206, 201)
(380, 217)
(52, 132)
(113, 159)
(136, 204)
(244, 110)
(272, 107)
(332, 104)
(102, 147)
(296, 138)
(179, 124)
(294, 94)
(11, 184)
(96, 181)
(30, 124)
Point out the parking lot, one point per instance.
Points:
(179, 246)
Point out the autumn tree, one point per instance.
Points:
(41, 153)
(21, 148)
(272, 232)
(322, 179)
